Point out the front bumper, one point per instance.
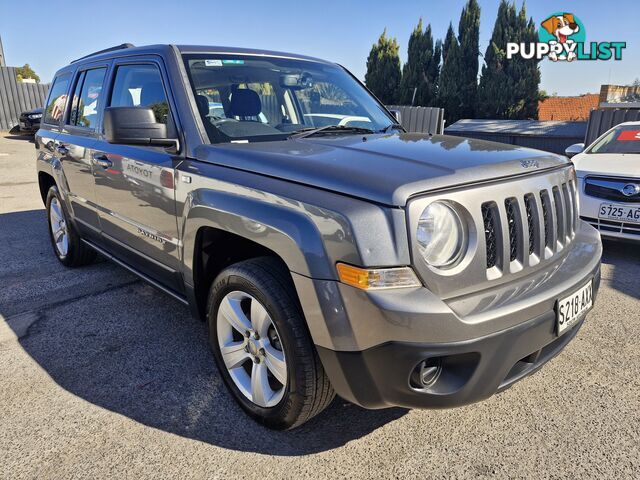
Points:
(474, 370)
(370, 343)
(28, 125)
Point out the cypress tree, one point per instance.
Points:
(412, 78)
(448, 88)
(528, 76)
(469, 39)
(509, 89)
(383, 69)
(419, 74)
(448, 40)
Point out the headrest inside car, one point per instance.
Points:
(245, 103)
(203, 105)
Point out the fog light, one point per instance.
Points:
(427, 373)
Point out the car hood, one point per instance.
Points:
(612, 164)
(386, 169)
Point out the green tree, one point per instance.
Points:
(468, 40)
(527, 72)
(26, 72)
(509, 89)
(383, 69)
(420, 73)
(448, 88)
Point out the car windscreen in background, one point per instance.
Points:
(624, 139)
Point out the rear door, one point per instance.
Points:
(135, 184)
(52, 118)
(76, 141)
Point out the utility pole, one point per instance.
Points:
(2, 62)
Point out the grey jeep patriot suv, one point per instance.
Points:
(328, 250)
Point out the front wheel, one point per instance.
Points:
(262, 346)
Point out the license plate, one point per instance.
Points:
(619, 212)
(570, 309)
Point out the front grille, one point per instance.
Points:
(613, 226)
(490, 227)
(547, 223)
(611, 188)
(516, 226)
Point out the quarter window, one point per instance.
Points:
(57, 100)
(141, 86)
(86, 97)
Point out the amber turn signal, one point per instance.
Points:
(377, 278)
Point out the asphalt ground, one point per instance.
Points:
(103, 376)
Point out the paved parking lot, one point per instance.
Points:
(101, 375)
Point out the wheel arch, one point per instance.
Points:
(45, 182)
(220, 229)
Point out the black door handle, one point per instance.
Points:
(102, 160)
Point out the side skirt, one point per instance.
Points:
(144, 277)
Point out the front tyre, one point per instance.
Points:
(262, 346)
(65, 240)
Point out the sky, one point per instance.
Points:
(49, 34)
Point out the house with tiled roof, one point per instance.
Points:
(568, 108)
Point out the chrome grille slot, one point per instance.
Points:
(513, 225)
(532, 222)
(568, 202)
(489, 217)
(547, 218)
(560, 216)
(573, 193)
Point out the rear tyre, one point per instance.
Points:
(262, 346)
(65, 240)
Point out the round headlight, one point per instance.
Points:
(441, 235)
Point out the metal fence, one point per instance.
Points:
(602, 120)
(421, 119)
(550, 136)
(17, 97)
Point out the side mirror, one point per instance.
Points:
(397, 115)
(574, 150)
(136, 126)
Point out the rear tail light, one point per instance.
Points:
(166, 178)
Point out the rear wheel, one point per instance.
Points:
(65, 240)
(262, 346)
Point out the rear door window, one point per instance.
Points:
(86, 98)
(57, 101)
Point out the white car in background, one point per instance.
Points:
(609, 181)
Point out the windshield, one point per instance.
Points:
(247, 98)
(623, 139)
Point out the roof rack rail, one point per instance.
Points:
(111, 49)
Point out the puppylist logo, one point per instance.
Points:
(562, 37)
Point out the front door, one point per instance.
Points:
(135, 184)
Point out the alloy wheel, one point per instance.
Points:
(58, 227)
(251, 349)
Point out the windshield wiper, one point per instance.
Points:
(307, 132)
(393, 126)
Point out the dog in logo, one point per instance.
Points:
(561, 27)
